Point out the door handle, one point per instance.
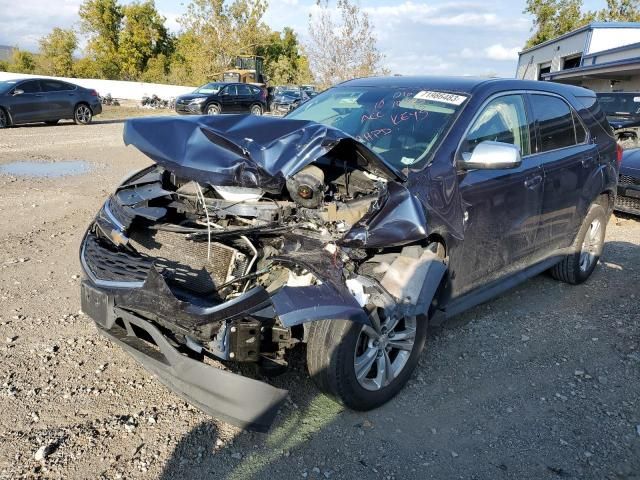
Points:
(71, 94)
(533, 182)
(38, 94)
(587, 161)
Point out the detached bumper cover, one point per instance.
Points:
(242, 401)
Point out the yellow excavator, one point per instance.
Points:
(249, 69)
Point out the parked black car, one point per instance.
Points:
(287, 98)
(217, 97)
(46, 100)
(628, 199)
(623, 112)
(378, 207)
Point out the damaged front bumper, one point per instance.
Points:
(132, 304)
(239, 400)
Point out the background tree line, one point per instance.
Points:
(552, 18)
(132, 42)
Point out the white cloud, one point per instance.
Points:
(24, 23)
(500, 52)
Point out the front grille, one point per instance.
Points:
(628, 204)
(628, 180)
(184, 262)
(109, 264)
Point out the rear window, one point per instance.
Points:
(555, 122)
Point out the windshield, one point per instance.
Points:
(401, 125)
(620, 103)
(7, 85)
(209, 88)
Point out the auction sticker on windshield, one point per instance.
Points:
(443, 97)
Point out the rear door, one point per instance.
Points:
(59, 96)
(502, 205)
(245, 98)
(29, 106)
(568, 158)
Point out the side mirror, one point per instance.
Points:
(492, 155)
(17, 92)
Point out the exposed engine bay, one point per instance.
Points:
(336, 237)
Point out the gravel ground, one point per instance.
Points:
(540, 383)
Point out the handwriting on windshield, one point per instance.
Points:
(372, 135)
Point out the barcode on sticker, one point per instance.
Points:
(443, 97)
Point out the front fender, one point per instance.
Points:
(297, 305)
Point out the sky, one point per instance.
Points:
(417, 37)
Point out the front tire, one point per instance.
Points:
(576, 267)
(363, 367)
(213, 109)
(82, 114)
(4, 119)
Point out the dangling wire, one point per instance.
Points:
(206, 212)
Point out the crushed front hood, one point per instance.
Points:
(244, 150)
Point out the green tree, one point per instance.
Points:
(553, 18)
(56, 53)
(101, 21)
(157, 69)
(22, 62)
(284, 62)
(86, 67)
(620, 11)
(4, 66)
(344, 48)
(215, 32)
(143, 36)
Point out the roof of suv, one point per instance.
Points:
(465, 84)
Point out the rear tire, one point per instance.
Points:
(256, 110)
(338, 352)
(51, 122)
(82, 114)
(576, 267)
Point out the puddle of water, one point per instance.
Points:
(45, 169)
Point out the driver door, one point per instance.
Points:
(502, 206)
(30, 105)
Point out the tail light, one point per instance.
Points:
(618, 154)
(93, 93)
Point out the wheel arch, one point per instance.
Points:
(8, 114)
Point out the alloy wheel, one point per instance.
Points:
(83, 114)
(256, 110)
(213, 110)
(591, 245)
(3, 119)
(382, 351)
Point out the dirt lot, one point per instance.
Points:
(540, 383)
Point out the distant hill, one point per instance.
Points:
(5, 52)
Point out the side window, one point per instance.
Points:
(230, 90)
(51, 86)
(555, 122)
(255, 90)
(244, 90)
(30, 87)
(503, 119)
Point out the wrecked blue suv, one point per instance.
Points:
(377, 208)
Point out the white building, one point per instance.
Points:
(604, 57)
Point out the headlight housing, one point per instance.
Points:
(198, 101)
